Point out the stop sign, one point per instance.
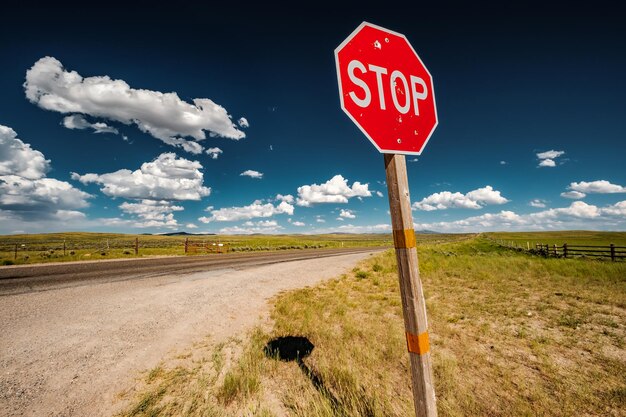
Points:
(386, 90)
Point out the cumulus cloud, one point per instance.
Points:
(163, 115)
(578, 190)
(252, 174)
(298, 224)
(78, 121)
(25, 192)
(597, 187)
(538, 203)
(335, 190)
(243, 122)
(474, 199)
(264, 226)
(18, 158)
(286, 198)
(574, 195)
(578, 215)
(214, 153)
(550, 154)
(347, 214)
(152, 213)
(166, 178)
(378, 193)
(255, 210)
(547, 159)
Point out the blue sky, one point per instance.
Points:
(532, 120)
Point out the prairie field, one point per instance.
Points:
(512, 334)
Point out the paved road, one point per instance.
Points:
(74, 336)
(29, 278)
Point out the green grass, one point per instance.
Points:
(511, 335)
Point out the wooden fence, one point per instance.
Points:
(568, 251)
(206, 247)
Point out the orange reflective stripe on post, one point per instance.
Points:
(404, 239)
(417, 343)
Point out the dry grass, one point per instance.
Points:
(511, 335)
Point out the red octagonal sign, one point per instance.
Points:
(386, 90)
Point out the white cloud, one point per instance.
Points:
(255, 210)
(252, 174)
(335, 190)
(166, 178)
(376, 228)
(152, 213)
(550, 154)
(578, 215)
(265, 226)
(261, 223)
(546, 159)
(378, 193)
(502, 162)
(78, 121)
(214, 153)
(538, 203)
(547, 163)
(286, 198)
(597, 187)
(574, 195)
(299, 224)
(25, 192)
(243, 122)
(162, 115)
(617, 209)
(191, 226)
(347, 214)
(475, 199)
(18, 158)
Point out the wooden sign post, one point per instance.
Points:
(413, 304)
(386, 90)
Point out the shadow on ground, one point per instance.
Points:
(298, 348)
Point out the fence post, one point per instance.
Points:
(612, 252)
(186, 244)
(565, 250)
(15, 256)
(64, 248)
(527, 245)
(136, 246)
(555, 252)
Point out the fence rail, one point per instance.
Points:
(615, 253)
(568, 251)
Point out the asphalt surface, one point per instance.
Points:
(43, 277)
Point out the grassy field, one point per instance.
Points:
(89, 246)
(511, 335)
(574, 237)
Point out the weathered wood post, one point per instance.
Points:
(413, 304)
(64, 248)
(15, 255)
(136, 246)
(565, 250)
(555, 252)
(186, 244)
(612, 252)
